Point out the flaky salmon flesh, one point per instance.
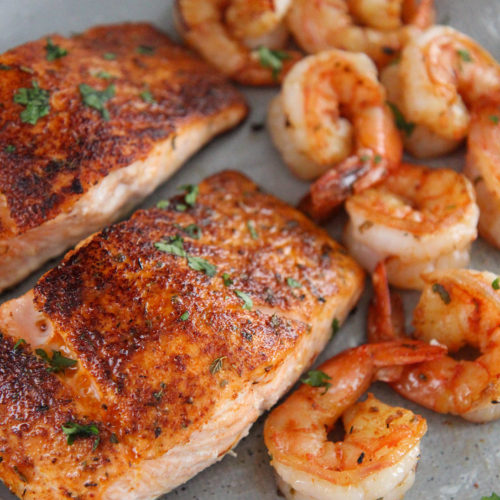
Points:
(147, 354)
(89, 126)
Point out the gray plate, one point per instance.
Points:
(460, 460)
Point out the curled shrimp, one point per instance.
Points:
(442, 73)
(228, 33)
(483, 166)
(457, 308)
(417, 220)
(331, 112)
(377, 457)
(384, 25)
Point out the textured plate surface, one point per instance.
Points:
(460, 461)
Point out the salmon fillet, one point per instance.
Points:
(89, 133)
(186, 323)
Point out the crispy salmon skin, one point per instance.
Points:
(89, 126)
(186, 322)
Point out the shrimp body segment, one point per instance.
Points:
(457, 308)
(387, 24)
(483, 166)
(442, 73)
(417, 219)
(228, 32)
(331, 112)
(378, 455)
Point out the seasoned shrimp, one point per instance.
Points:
(441, 74)
(228, 34)
(457, 308)
(417, 219)
(418, 140)
(307, 127)
(387, 24)
(483, 166)
(379, 453)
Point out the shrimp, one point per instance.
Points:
(442, 73)
(231, 33)
(378, 455)
(457, 308)
(482, 166)
(418, 140)
(306, 125)
(417, 219)
(325, 24)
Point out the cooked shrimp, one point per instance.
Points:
(417, 219)
(457, 308)
(387, 24)
(441, 74)
(418, 140)
(379, 453)
(483, 166)
(307, 127)
(226, 32)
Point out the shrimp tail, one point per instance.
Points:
(403, 352)
(353, 175)
(386, 319)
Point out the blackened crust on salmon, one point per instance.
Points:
(73, 148)
(163, 347)
(121, 300)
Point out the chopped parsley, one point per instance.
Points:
(147, 96)
(443, 293)
(5, 67)
(272, 59)
(464, 55)
(227, 279)
(216, 365)
(109, 56)
(317, 378)
(113, 438)
(400, 121)
(251, 230)
(18, 344)
(94, 98)
(493, 496)
(104, 75)
(193, 231)
(494, 119)
(54, 51)
(58, 362)
(293, 283)
(36, 101)
(174, 246)
(377, 159)
(145, 49)
(162, 204)
(74, 430)
(199, 264)
(158, 395)
(185, 316)
(335, 326)
(10, 148)
(192, 191)
(275, 320)
(180, 207)
(247, 301)
(495, 284)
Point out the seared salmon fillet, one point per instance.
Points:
(89, 126)
(157, 342)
